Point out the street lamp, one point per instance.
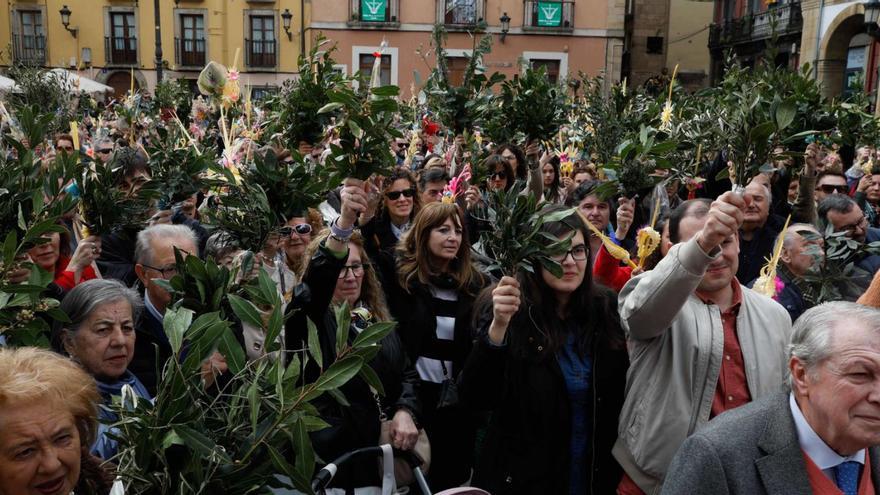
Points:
(286, 17)
(65, 20)
(872, 14)
(505, 24)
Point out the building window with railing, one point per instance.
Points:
(262, 44)
(121, 45)
(461, 12)
(189, 45)
(374, 11)
(28, 40)
(549, 15)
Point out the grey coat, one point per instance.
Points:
(751, 450)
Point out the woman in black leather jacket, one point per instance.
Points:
(338, 272)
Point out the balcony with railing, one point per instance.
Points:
(784, 20)
(548, 15)
(120, 51)
(29, 49)
(462, 13)
(260, 53)
(189, 52)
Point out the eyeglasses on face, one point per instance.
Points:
(860, 225)
(395, 195)
(578, 253)
(831, 189)
(300, 228)
(167, 272)
(104, 151)
(502, 175)
(357, 270)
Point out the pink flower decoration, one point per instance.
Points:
(233, 75)
(780, 285)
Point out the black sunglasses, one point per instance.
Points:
(831, 189)
(104, 150)
(395, 195)
(300, 228)
(498, 176)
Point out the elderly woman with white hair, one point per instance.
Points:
(47, 423)
(100, 337)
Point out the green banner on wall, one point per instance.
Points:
(549, 14)
(373, 10)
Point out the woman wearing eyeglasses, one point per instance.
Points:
(550, 363)
(338, 271)
(433, 300)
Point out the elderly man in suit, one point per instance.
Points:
(820, 438)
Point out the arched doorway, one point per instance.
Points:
(844, 51)
(120, 81)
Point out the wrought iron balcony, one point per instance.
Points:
(120, 51)
(260, 53)
(785, 19)
(189, 52)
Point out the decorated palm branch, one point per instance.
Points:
(364, 125)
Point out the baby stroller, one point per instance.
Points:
(387, 453)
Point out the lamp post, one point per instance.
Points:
(158, 42)
(286, 17)
(65, 20)
(872, 15)
(505, 25)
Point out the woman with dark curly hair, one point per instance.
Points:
(550, 363)
(48, 420)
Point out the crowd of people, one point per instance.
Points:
(670, 375)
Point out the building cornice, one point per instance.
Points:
(427, 28)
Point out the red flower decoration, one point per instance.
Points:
(430, 128)
(377, 54)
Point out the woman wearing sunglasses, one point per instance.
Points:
(432, 300)
(300, 229)
(550, 363)
(399, 203)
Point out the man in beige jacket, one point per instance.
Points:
(700, 343)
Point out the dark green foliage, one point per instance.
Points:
(461, 108)
(292, 187)
(515, 241)
(364, 125)
(177, 168)
(104, 206)
(296, 115)
(529, 106)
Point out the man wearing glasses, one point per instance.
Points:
(844, 214)
(154, 259)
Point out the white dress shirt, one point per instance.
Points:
(820, 453)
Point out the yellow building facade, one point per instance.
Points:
(109, 40)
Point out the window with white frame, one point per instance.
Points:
(362, 58)
(461, 12)
(369, 11)
(555, 64)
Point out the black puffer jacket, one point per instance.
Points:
(527, 447)
(357, 425)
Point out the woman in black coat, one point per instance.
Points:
(340, 272)
(550, 363)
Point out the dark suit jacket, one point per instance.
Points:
(150, 345)
(751, 450)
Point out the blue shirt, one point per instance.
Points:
(104, 446)
(577, 371)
